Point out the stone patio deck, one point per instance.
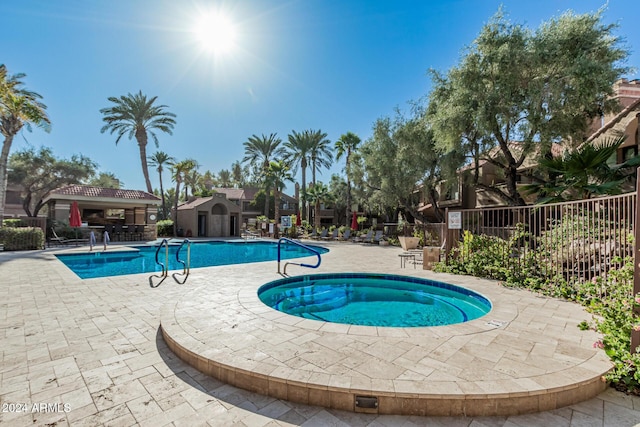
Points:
(94, 348)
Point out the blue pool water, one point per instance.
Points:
(204, 254)
(374, 300)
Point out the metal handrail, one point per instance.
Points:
(284, 271)
(186, 266)
(165, 265)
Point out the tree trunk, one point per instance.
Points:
(348, 171)
(276, 207)
(164, 206)
(4, 174)
(175, 207)
(303, 166)
(141, 137)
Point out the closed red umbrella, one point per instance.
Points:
(298, 220)
(74, 218)
(354, 221)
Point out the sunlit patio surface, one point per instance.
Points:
(92, 352)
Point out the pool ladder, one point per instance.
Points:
(293, 242)
(186, 265)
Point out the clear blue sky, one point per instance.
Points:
(335, 65)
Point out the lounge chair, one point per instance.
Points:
(56, 239)
(333, 236)
(379, 235)
(345, 236)
(323, 234)
(314, 234)
(360, 239)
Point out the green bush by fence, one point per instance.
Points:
(20, 239)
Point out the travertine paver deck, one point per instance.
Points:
(93, 348)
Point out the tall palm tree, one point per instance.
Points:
(19, 107)
(159, 160)
(321, 155)
(178, 171)
(318, 194)
(135, 115)
(344, 146)
(260, 150)
(277, 174)
(298, 146)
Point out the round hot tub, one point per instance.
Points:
(374, 300)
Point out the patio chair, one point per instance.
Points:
(118, 232)
(361, 239)
(333, 236)
(314, 234)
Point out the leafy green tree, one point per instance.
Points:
(318, 194)
(277, 174)
(534, 87)
(344, 146)
(339, 190)
(39, 172)
(584, 172)
(238, 176)
(399, 162)
(19, 108)
(105, 180)
(178, 172)
(259, 151)
(160, 160)
(135, 115)
(298, 146)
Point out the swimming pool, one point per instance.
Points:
(374, 300)
(203, 254)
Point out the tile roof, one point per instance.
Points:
(90, 191)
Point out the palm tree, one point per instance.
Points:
(135, 115)
(159, 160)
(298, 148)
(321, 155)
(277, 174)
(260, 150)
(224, 178)
(191, 178)
(318, 194)
(178, 171)
(347, 144)
(19, 108)
(583, 173)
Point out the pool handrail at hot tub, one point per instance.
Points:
(293, 242)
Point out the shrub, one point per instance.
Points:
(14, 222)
(23, 238)
(612, 302)
(165, 228)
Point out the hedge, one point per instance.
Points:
(23, 238)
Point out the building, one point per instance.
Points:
(100, 207)
(461, 194)
(225, 213)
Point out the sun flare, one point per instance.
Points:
(216, 33)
